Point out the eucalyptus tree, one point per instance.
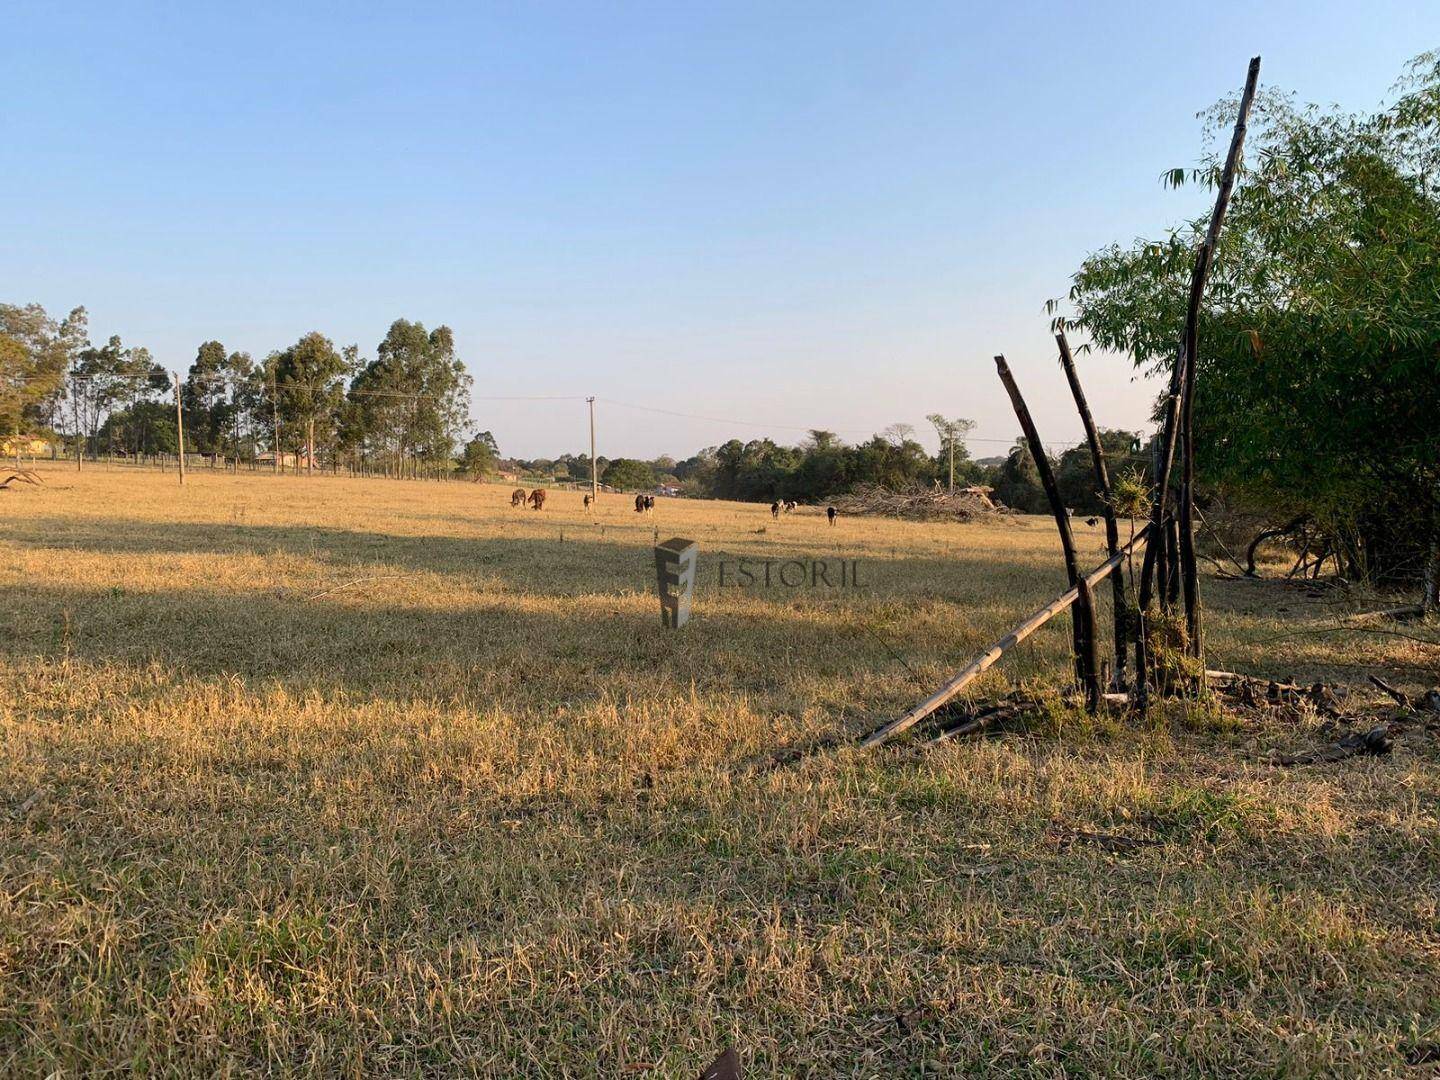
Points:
(112, 381)
(35, 353)
(204, 398)
(307, 381)
(413, 400)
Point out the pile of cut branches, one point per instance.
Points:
(920, 503)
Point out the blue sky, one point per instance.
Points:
(803, 215)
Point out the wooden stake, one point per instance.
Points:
(1112, 527)
(1086, 663)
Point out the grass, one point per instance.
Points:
(375, 777)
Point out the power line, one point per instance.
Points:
(792, 427)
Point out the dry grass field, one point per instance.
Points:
(369, 777)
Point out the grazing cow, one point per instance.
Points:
(537, 499)
(1092, 522)
(639, 504)
(517, 498)
(832, 514)
(775, 510)
(588, 500)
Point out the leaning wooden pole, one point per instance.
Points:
(1189, 572)
(1180, 378)
(1086, 663)
(986, 660)
(1102, 484)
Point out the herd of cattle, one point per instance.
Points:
(644, 504)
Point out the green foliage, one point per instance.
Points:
(627, 474)
(307, 381)
(1130, 494)
(413, 399)
(35, 352)
(145, 427)
(1075, 471)
(222, 395)
(112, 379)
(1017, 482)
(1318, 379)
(954, 455)
(480, 457)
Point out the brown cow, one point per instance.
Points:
(537, 499)
(588, 500)
(517, 498)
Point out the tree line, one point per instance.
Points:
(823, 466)
(404, 412)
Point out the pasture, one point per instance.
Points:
(359, 777)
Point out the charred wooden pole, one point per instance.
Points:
(1189, 573)
(1086, 662)
(1430, 593)
(1182, 381)
(1162, 537)
(1112, 527)
(1173, 569)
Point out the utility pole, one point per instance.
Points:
(179, 426)
(952, 463)
(594, 472)
(275, 420)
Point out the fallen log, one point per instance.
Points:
(987, 659)
(1377, 742)
(25, 476)
(983, 719)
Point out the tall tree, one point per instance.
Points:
(1318, 372)
(204, 398)
(308, 380)
(952, 443)
(111, 379)
(481, 456)
(413, 399)
(35, 352)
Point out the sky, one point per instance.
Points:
(775, 216)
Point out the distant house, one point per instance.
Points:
(31, 446)
(287, 460)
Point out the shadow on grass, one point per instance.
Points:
(575, 559)
(534, 621)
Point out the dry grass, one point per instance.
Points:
(371, 777)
